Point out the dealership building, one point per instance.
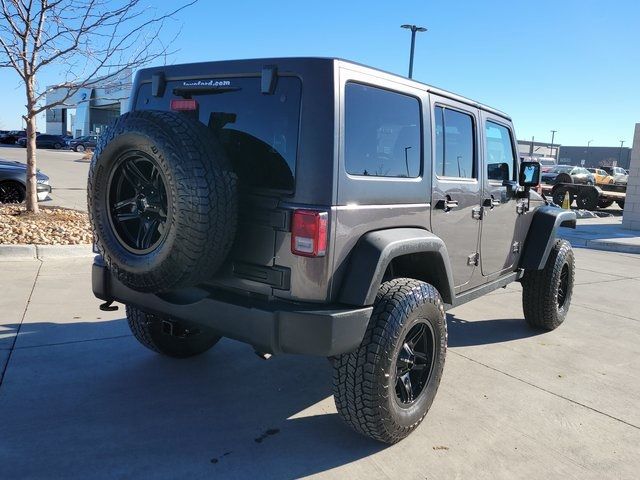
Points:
(577, 155)
(90, 109)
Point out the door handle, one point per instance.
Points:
(446, 205)
(491, 202)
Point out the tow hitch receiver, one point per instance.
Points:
(176, 330)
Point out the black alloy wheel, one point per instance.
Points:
(12, 192)
(563, 285)
(138, 204)
(414, 363)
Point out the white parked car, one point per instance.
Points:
(619, 174)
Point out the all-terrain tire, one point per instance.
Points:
(587, 198)
(149, 330)
(201, 200)
(546, 293)
(364, 381)
(605, 203)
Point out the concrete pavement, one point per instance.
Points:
(67, 170)
(82, 399)
(605, 233)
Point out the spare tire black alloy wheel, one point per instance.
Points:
(162, 201)
(138, 205)
(414, 363)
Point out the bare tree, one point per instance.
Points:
(81, 41)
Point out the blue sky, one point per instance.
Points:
(569, 65)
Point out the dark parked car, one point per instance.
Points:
(80, 144)
(568, 174)
(12, 182)
(12, 137)
(45, 141)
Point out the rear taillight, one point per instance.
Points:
(309, 233)
(183, 105)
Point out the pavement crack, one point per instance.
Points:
(115, 337)
(618, 279)
(24, 314)
(573, 302)
(575, 402)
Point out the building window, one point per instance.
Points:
(455, 144)
(382, 132)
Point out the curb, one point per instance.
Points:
(606, 244)
(44, 252)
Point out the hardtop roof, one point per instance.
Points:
(344, 63)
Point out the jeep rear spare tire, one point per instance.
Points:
(162, 201)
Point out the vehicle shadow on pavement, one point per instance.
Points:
(463, 333)
(88, 407)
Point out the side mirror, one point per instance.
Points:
(529, 174)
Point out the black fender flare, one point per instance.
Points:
(374, 251)
(542, 235)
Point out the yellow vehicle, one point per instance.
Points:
(602, 177)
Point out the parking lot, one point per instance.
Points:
(66, 169)
(81, 398)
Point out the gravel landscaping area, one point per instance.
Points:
(53, 226)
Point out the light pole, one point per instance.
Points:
(620, 152)
(414, 29)
(588, 144)
(553, 135)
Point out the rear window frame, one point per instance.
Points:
(140, 102)
(475, 131)
(384, 178)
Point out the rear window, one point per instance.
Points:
(382, 132)
(258, 132)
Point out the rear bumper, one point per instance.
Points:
(269, 326)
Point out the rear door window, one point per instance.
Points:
(455, 144)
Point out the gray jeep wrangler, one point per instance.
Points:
(320, 207)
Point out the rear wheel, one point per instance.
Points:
(546, 293)
(12, 192)
(605, 203)
(57, 146)
(170, 337)
(385, 388)
(79, 148)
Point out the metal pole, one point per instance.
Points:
(413, 47)
(620, 152)
(414, 29)
(553, 134)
